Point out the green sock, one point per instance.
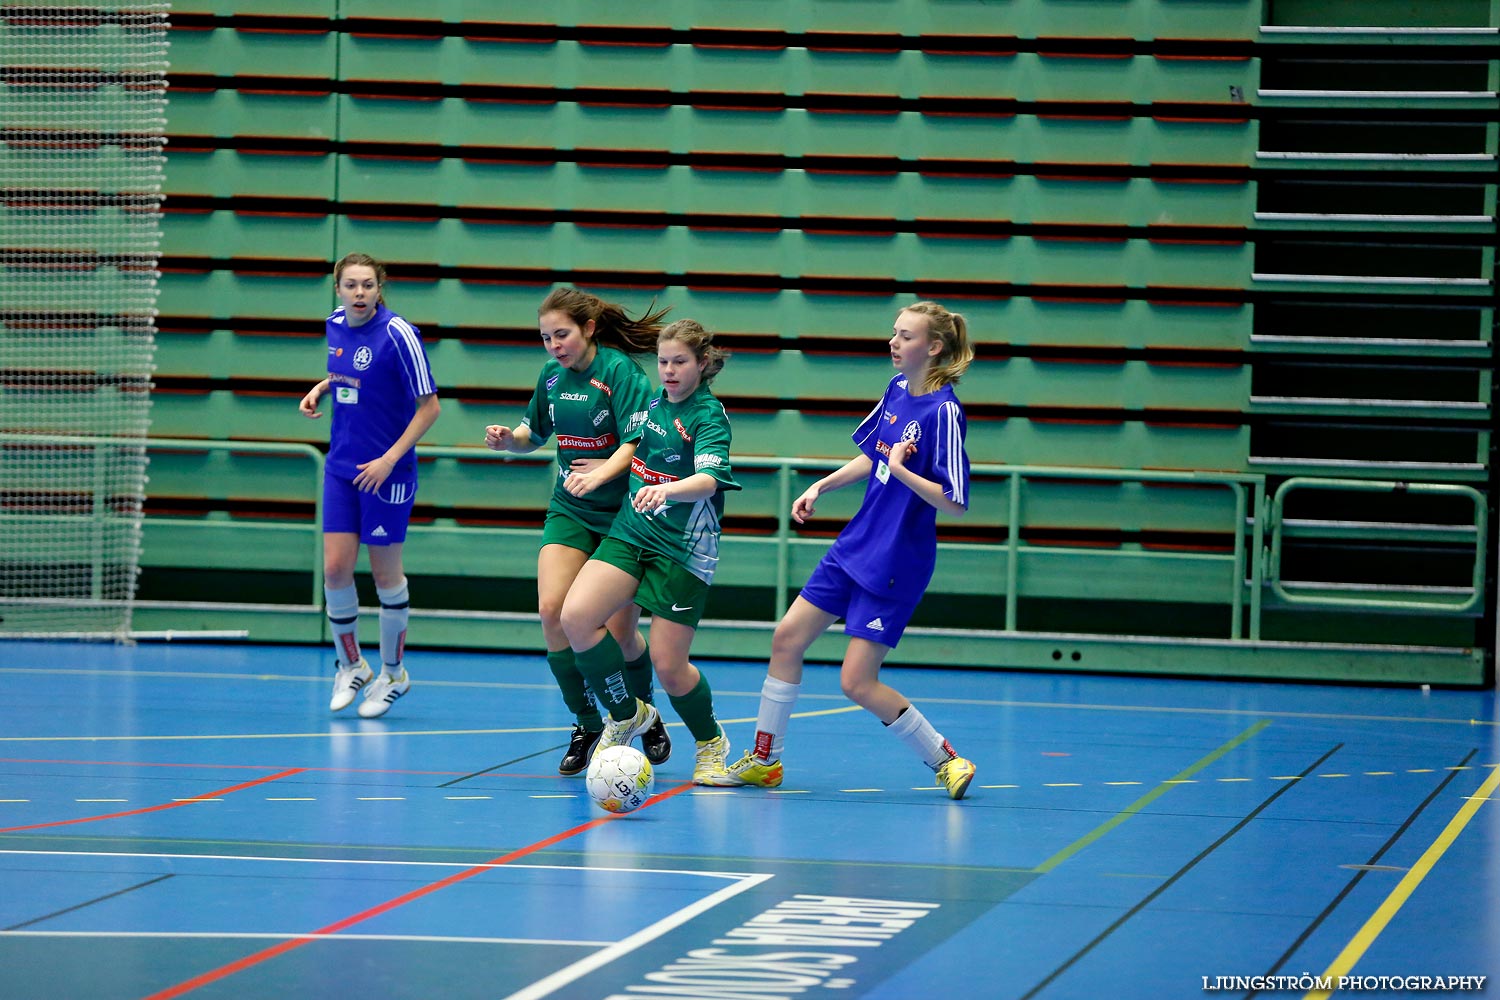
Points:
(603, 667)
(697, 710)
(575, 690)
(638, 675)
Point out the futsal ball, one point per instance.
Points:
(620, 779)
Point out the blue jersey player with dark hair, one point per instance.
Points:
(384, 400)
(912, 461)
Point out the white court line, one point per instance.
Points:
(290, 936)
(562, 977)
(543, 987)
(372, 861)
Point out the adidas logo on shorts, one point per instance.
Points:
(875, 624)
(379, 531)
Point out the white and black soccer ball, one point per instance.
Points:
(620, 779)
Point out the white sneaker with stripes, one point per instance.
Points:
(382, 692)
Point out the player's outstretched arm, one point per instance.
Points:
(857, 469)
(517, 440)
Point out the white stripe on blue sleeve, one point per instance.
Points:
(412, 358)
(950, 432)
(871, 421)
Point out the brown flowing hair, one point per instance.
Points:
(612, 324)
(362, 260)
(953, 331)
(690, 332)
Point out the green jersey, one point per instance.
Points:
(677, 441)
(592, 412)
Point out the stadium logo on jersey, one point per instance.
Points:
(362, 358)
(701, 462)
(577, 397)
(912, 432)
(649, 476)
(600, 417)
(656, 427)
(601, 387)
(677, 423)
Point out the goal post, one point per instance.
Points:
(82, 129)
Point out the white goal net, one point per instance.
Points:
(82, 124)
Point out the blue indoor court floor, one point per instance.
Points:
(186, 819)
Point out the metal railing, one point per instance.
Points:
(1293, 592)
(1258, 529)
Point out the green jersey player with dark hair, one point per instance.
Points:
(591, 396)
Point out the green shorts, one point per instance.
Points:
(667, 589)
(561, 528)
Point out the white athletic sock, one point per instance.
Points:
(776, 700)
(395, 608)
(342, 606)
(916, 732)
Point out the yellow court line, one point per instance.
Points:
(1147, 799)
(808, 715)
(1367, 934)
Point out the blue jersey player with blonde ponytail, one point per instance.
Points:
(913, 464)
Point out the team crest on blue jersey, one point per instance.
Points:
(362, 358)
(911, 432)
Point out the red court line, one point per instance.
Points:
(165, 805)
(281, 948)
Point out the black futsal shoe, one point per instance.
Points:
(579, 748)
(655, 742)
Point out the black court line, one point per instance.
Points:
(507, 763)
(1333, 904)
(1138, 907)
(91, 902)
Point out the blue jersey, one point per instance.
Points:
(375, 374)
(891, 543)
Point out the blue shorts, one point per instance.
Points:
(380, 518)
(877, 617)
